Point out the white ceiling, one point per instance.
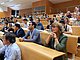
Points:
(22, 4)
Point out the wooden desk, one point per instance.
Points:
(32, 51)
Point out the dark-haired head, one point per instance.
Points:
(18, 25)
(25, 20)
(9, 38)
(62, 21)
(32, 25)
(11, 30)
(37, 20)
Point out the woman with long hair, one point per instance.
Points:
(56, 40)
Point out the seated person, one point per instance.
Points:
(39, 25)
(56, 40)
(66, 27)
(33, 33)
(49, 25)
(11, 49)
(25, 25)
(19, 32)
(11, 30)
(5, 28)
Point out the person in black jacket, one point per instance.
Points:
(19, 31)
(5, 28)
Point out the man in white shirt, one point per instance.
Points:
(25, 25)
(66, 28)
(11, 49)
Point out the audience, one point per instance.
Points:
(58, 24)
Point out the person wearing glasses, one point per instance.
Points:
(33, 34)
(56, 40)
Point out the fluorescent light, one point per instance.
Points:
(2, 3)
(15, 5)
(9, 0)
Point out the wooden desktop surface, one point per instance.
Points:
(32, 51)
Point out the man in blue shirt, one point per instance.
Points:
(11, 49)
(33, 33)
(39, 25)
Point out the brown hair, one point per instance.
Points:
(58, 25)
